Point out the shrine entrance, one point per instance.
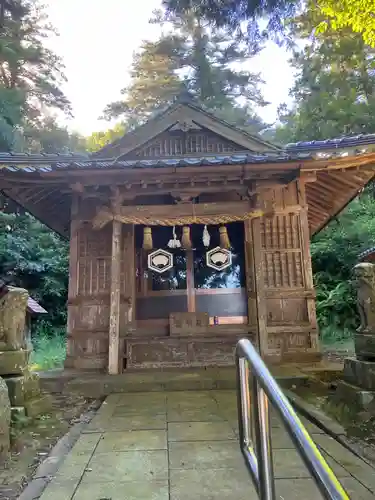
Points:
(195, 287)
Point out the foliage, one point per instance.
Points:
(49, 348)
(97, 140)
(358, 15)
(35, 258)
(334, 252)
(334, 90)
(333, 95)
(30, 74)
(204, 58)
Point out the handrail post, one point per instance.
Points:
(263, 443)
(243, 408)
(259, 461)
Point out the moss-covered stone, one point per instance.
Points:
(360, 373)
(12, 319)
(4, 420)
(14, 362)
(22, 388)
(38, 405)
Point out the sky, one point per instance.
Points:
(97, 41)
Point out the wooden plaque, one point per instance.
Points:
(188, 324)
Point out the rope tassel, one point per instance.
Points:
(174, 242)
(224, 238)
(186, 239)
(147, 239)
(206, 237)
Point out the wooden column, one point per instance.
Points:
(307, 265)
(114, 308)
(190, 280)
(73, 248)
(73, 279)
(259, 287)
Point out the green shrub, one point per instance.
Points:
(49, 350)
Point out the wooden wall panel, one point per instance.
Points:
(286, 282)
(181, 352)
(89, 291)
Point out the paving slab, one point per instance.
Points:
(204, 455)
(184, 446)
(212, 484)
(132, 441)
(60, 489)
(200, 431)
(298, 489)
(130, 466)
(355, 465)
(145, 490)
(131, 422)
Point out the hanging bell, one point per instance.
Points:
(224, 238)
(206, 237)
(147, 239)
(174, 242)
(186, 239)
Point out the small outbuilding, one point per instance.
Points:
(32, 311)
(367, 255)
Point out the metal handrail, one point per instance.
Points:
(255, 435)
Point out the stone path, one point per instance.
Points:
(184, 446)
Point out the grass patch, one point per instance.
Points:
(332, 335)
(49, 352)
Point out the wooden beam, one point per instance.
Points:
(182, 214)
(114, 306)
(184, 210)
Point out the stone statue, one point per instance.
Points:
(364, 274)
(12, 319)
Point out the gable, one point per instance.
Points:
(176, 142)
(192, 121)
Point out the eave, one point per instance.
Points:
(43, 184)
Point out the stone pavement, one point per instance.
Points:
(184, 446)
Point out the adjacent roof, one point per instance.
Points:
(32, 305)
(342, 166)
(34, 308)
(368, 254)
(348, 141)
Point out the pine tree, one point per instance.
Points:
(205, 59)
(30, 74)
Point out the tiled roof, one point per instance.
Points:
(32, 305)
(339, 142)
(35, 308)
(343, 146)
(366, 253)
(46, 163)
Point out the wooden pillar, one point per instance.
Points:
(73, 279)
(259, 287)
(114, 307)
(73, 248)
(307, 265)
(190, 285)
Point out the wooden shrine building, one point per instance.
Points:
(187, 234)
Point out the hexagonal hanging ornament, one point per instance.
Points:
(219, 258)
(160, 261)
